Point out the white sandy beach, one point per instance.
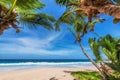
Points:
(42, 73)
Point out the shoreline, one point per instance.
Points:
(43, 73)
(32, 65)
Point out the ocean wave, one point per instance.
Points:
(44, 63)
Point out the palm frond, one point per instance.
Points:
(67, 19)
(110, 47)
(93, 23)
(30, 5)
(66, 2)
(38, 19)
(71, 31)
(22, 6)
(95, 48)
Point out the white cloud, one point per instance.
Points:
(32, 45)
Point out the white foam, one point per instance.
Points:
(44, 63)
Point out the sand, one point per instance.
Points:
(42, 73)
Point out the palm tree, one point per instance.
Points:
(13, 12)
(77, 9)
(110, 47)
(76, 18)
(89, 9)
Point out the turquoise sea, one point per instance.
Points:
(16, 64)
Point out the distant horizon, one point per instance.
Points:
(43, 59)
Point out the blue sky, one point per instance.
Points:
(44, 44)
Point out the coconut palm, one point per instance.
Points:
(76, 18)
(13, 12)
(91, 10)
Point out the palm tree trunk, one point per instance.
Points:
(93, 62)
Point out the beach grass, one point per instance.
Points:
(85, 75)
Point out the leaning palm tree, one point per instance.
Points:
(91, 10)
(76, 18)
(13, 12)
(78, 31)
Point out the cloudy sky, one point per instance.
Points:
(44, 44)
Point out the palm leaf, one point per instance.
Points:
(71, 31)
(38, 19)
(22, 4)
(95, 48)
(93, 23)
(66, 2)
(67, 19)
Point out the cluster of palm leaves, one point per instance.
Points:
(92, 8)
(13, 12)
(75, 16)
(108, 46)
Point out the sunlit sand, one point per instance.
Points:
(42, 73)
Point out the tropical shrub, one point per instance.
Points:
(110, 47)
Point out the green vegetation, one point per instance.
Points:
(23, 12)
(84, 75)
(75, 15)
(110, 47)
